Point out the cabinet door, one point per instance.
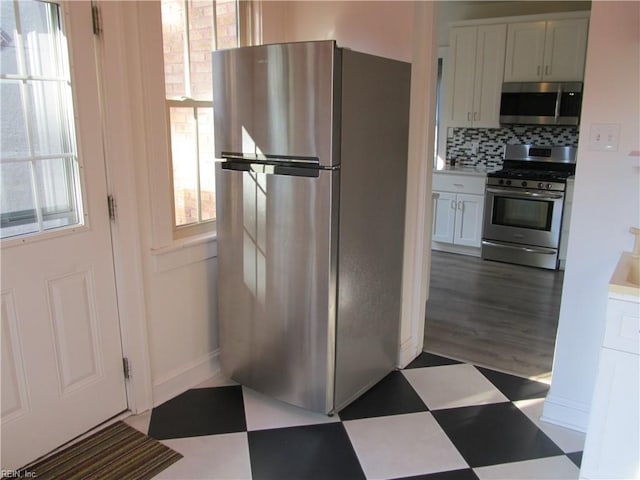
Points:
(463, 60)
(612, 443)
(468, 222)
(489, 71)
(565, 50)
(444, 214)
(525, 52)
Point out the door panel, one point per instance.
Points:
(469, 220)
(565, 46)
(276, 248)
(463, 44)
(525, 52)
(61, 352)
(14, 395)
(72, 310)
(489, 73)
(444, 215)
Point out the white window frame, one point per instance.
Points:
(149, 88)
(248, 28)
(201, 226)
(74, 209)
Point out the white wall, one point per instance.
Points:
(606, 204)
(378, 27)
(166, 288)
(182, 318)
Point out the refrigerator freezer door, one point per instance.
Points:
(276, 100)
(277, 288)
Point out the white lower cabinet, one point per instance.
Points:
(458, 205)
(444, 216)
(612, 445)
(457, 219)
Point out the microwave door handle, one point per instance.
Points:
(558, 101)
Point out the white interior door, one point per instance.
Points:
(61, 347)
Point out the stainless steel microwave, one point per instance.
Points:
(540, 103)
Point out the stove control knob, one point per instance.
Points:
(524, 184)
(541, 185)
(508, 182)
(501, 182)
(549, 186)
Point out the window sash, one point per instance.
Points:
(197, 155)
(40, 174)
(185, 222)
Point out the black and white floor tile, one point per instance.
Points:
(438, 419)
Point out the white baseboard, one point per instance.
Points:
(182, 379)
(409, 350)
(566, 413)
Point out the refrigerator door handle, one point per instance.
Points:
(268, 158)
(291, 170)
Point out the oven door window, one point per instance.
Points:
(516, 212)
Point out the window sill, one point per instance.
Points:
(184, 252)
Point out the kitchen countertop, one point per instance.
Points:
(462, 170)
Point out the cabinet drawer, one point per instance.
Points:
(623, 326)
(448, 182)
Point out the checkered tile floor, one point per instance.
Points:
(437, 419)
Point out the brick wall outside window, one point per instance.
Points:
(183, 120)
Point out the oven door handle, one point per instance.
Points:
(526, 193)
(545, 251)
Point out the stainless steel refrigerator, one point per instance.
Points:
(310, 195)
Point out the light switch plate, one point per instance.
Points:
(604, 137)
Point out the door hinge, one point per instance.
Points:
(95, 17)
(126, 368)
(111, 202)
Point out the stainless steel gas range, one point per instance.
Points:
(524, 204)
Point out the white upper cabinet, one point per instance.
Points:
(565, 50)
(525, 52)
(476, 68)
(461, 66)
(546, 51)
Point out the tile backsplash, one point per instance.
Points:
(491, 142)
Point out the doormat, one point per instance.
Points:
(119, 452)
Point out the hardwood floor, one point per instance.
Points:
(493, 314)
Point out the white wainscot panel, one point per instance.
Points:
(73, 316)
(14, 393)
